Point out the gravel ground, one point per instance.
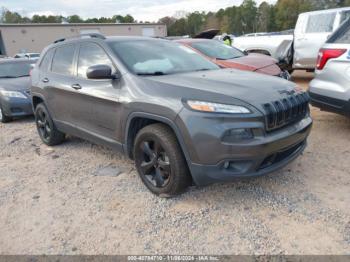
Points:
(79, 198)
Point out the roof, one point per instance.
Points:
(132, 38)
(193, 40)
(327, 10)
(79, 24)
(77, 38)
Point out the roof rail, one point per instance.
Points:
(92, 35)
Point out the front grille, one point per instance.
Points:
(286, 111)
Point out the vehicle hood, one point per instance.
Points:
(253, 61)
(15, 84)
(208, 34)
(224, 85)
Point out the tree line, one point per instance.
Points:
(249, 17)
(8, 17)
(245, 18)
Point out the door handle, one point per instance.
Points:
(45, 80)
(76, 86)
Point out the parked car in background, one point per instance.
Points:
(28, 55)
(300, 50)
(330, 89)
(15, 99)
(179, 116)
(230, 57)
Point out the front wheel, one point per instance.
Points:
(46, 127)
(160, 162)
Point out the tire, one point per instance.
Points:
(160, 162)
(4, 118)
(46, 127)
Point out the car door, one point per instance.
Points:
(57, 83)
(98, 100)
(312, 31)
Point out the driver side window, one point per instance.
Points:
(92, 54)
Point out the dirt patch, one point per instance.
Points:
(52, 201)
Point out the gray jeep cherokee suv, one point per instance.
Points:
(181, 118)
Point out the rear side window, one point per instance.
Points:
(63, 60)
(344, 38)
(342, 35)
(91, 54)
(320, 23)
(344, 16)
(45, 63)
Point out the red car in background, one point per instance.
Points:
(229, 57)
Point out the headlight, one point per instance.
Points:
(12, 94)
(217, 108)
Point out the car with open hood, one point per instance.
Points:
(229, 57)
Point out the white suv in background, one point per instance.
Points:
(330, 89)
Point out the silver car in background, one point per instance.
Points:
(299, 50)
(330, 89)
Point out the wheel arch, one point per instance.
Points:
(36, 100)
(137, 121)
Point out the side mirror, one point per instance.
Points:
(100, 72)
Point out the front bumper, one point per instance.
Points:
(14, 107)
(212, 159)
(330, 104)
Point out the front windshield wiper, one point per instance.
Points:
(22, 76)
(228, 58)
(203, 69)
(157, 73)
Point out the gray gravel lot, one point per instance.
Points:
(79, 198)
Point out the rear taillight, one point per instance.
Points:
(325, 54)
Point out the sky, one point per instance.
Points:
(141, 10)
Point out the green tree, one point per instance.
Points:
(265, 18)
(287, 12)
(248, 12)
(74, 19)
(11, 17)
(195, 23)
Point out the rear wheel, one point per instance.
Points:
(160, 161)
(46, 128)
(4, 118)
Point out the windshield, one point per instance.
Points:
(34, 55)
(12, 70)
(145, 57)
(215, 49)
